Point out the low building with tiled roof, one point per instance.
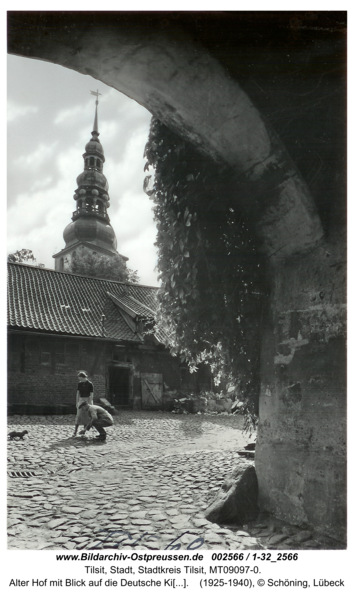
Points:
(59, 302)
(60, 322)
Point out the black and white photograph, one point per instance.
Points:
(177, 292)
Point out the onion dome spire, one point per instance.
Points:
(90, 222)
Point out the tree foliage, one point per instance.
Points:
(85, 262)
(211, 270)
(23, 256)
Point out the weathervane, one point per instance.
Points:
(96, 94)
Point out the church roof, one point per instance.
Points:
(49, 301)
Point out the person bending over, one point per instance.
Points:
(98, 418)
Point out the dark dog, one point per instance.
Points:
(17, 435)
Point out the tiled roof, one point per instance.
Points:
(53, 301)
(134, 306)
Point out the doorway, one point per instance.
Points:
(151, 391)
(119, 380)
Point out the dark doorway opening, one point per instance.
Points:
(119, 385)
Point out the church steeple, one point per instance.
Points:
(95, 123)
(90, 226)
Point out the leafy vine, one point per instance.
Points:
(212, 273)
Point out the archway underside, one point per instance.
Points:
(195, 91)
(184, 86)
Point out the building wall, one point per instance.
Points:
(301, 449)
(63, 262)
(42, 370)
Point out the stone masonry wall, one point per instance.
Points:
(301, 449)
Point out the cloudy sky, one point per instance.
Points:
(50, 119)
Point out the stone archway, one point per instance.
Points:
(300, 457)
(183, 85)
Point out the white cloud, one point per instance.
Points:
(41, 183)
(70, 164)
(35, 160)
(109, 131)
(68, 115)
(15, 111)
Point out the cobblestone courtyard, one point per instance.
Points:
(148, 484)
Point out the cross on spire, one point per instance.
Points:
(96, 94)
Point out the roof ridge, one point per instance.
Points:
(138, 285)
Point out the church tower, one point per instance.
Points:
(90, 224)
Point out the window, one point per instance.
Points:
(59, 353)
(46, 356)
(85, 355)
(72, 354)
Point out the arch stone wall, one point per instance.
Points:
(182, 84)
(300, 458)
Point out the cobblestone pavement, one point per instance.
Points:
(147, 485)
